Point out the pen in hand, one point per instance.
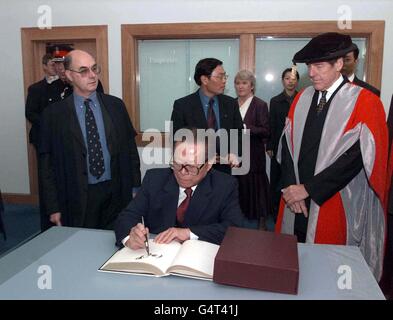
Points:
(146, 239)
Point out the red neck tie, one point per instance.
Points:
(181, 210)
(211, 117)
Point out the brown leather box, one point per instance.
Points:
(259, 260)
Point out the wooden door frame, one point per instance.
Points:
(247, 32)
(31, 73)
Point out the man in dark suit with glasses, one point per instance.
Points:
(88, 156)
(210, 108)
(189, 200)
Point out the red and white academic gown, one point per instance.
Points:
(356, 215)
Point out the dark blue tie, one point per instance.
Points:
(96, 157)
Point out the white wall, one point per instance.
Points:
(23, 13)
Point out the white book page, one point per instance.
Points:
(195, 258)
(128, 260)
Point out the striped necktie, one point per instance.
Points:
(322, 102)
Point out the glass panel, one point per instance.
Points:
(274, 55)
(166, 69)
(360, 71)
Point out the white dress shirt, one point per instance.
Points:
(331, 89)
(351, 77)
(244, 107)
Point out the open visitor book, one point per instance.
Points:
(193, 258)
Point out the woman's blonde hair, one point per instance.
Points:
(248, 76)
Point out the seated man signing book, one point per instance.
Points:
(190, 200)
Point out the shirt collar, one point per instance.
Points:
(332, 88)
(79, 100)
(50, 79)
(204, 98)
(351, 77)
(246, 103)
(182, 189)
(335, 85)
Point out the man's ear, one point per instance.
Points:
(204, 79)
(68, 75)
(339, 64)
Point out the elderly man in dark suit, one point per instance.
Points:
(190, 200)
(88, 156)
(349, 68)
(208, 107)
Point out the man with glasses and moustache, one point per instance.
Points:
(190, 200)
(88, 156)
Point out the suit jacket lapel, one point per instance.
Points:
(199, 201)
(250, 118)
(108, 124)
(169, 200)
(74, 122)
(224, 122)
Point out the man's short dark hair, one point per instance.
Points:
(205, 67)
(356, 52)
(46, 58)
(289, 70)
(67, 62)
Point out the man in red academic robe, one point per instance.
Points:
(334, 155)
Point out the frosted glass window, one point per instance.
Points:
(166, 69)
(274, 55)
(360, 71)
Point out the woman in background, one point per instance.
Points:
(279, 107)
(254, 186)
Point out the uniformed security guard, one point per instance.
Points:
(40, 95)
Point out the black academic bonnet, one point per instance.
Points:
(325, 47)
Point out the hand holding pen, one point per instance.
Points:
(138, 237)
(146, 239)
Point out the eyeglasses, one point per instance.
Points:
(84, 71)
(221, 77)
(192, 170)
